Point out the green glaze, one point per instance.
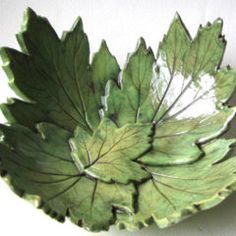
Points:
(180, 93)
(49, 73)
(128, 104)
(108, 154)
(41, 164)
(103, 145)
(173, 193)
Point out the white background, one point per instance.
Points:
(121, 23)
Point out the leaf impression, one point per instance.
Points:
(110, 153)
(41, 164)
(55, 76)
(184, 94)
(179, 191)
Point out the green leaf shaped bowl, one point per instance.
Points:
(103, 145)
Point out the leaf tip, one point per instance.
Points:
(77, 27)
(177, 16)
(216, 25)
(103, 43)
(28, 14)
(177, 26)
(78, 24)
(218, 21)
(141, 43)
(104, 46)
(177, 20)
